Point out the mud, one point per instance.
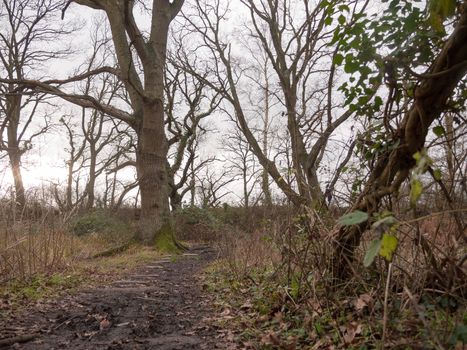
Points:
(161, 305)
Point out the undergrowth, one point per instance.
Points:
(48, 253)
(17, 293)
(275, 289)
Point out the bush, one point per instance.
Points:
(101, 223)
(196, 224)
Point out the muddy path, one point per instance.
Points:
(161, 305)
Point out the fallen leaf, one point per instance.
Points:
(270, 339)
(363, 301)
(351, 331)
(246, 306)
(104, 324)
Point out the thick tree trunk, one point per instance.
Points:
(15, 164)
(175, 201)
(152, 172)
(147, 102)
(14, 152)
(392, 168)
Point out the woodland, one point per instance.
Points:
(233, 174)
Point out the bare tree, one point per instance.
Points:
(211, 186)
(135, 51)
(297, 47)
(74, 163)
(242, 162)
(26, 28)
(189, 97)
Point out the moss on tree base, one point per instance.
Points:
(165, 240)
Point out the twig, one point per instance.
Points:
(385, 314)
(434, 214)
(67, 320)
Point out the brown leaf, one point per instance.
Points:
(246, 306)
(363, 301)
(104, 324)
(351, 331)
(270, 339)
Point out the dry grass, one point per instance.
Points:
(247, 253)
(28, 248)
(422, 300)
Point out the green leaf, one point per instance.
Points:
(388, 220)
(341, 19)
(437, 174)
(439, 131)
(344, 8)
(353, 218)
(416, 189)
(459, 335)
(372, 251)
(351, 66)
(378, 101)
(417, 156)
(328, 21)
(338, 59)
(388, 246)
(442, 8)
(438, 11)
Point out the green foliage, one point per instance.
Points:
(416, 189)
(99, 222)
(423, 162)
(354, 218)
(385, 48)
(439, 130)
(438, 11)
(41, 286)
(437, 174)
(195, 215)
(372, 252)
(388, 246)
(459, 335)
(193, 223)
(386, 243)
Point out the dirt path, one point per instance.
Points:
(159, 306)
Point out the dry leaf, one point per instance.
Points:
(104, 324)
(363, 301)
(247, 305)
(351, 331)
(270, 339)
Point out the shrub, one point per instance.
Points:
(99, 222)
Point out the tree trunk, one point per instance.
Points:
(175, 201)
(152, 172)
(265, 174)
(90, 187)
(393, 167)
(69, 186)
(14, 152)
(15, 163)
(246, 194)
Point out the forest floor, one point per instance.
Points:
(160, 305)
